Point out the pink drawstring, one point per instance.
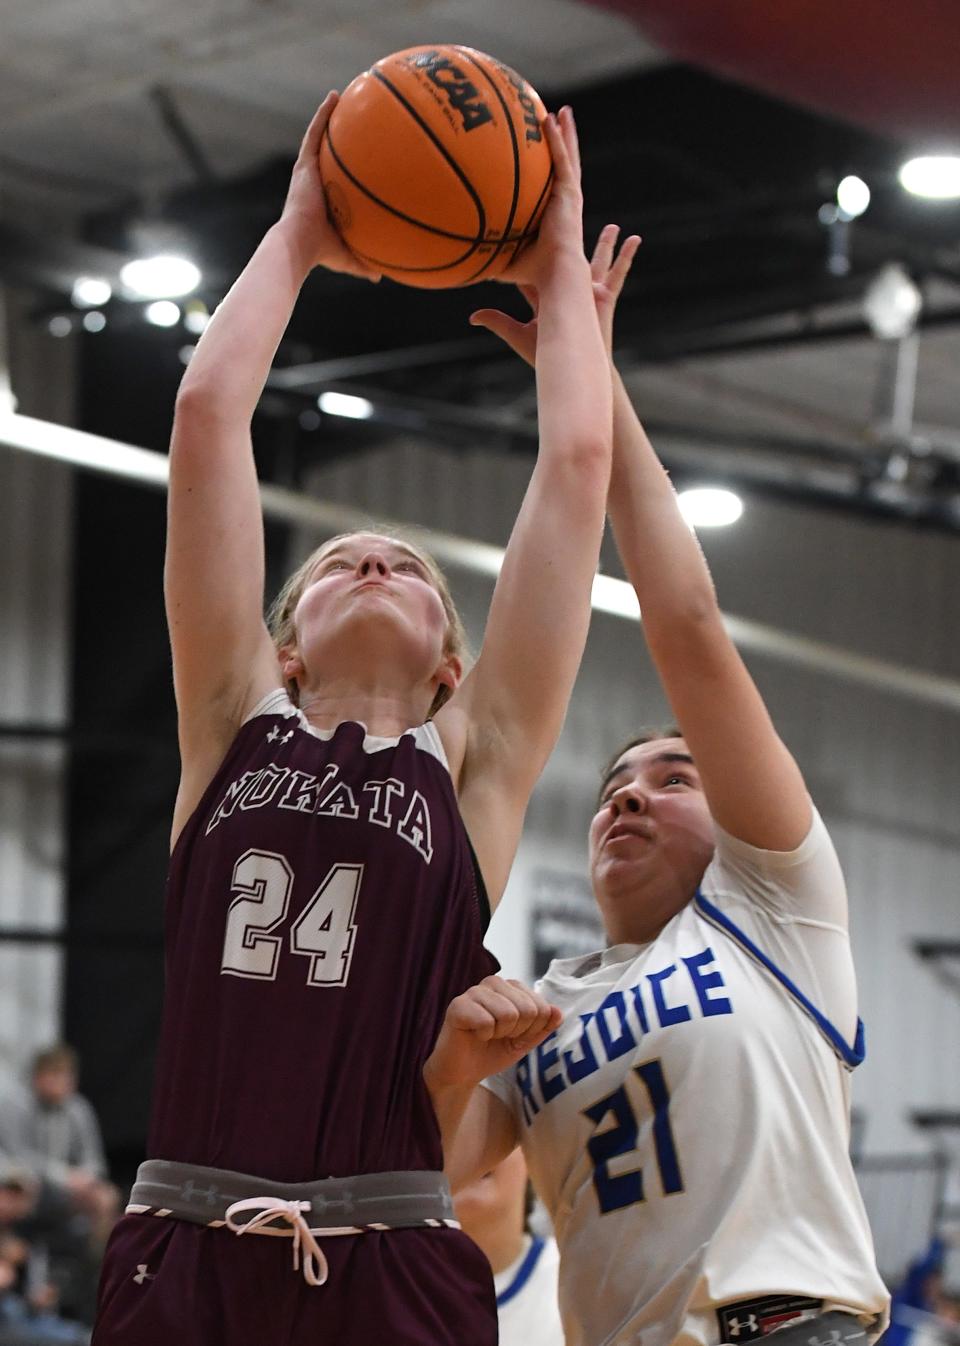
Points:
(272, 1207)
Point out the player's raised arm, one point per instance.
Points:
(516, 695)
(753, 786)
(223, 658)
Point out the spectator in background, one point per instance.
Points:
(28, 1301)
(495, 1211)
(924, 1310)
(53, 1130)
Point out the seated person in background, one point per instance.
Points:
(28, 1302)
(494, 1211)
(53, 1130)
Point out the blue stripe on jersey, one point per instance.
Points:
(524, 1273)
(850, 1056)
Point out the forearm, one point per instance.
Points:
(231, 362)
(574, 397)
(659, 550)
(476, 1129)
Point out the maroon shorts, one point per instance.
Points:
(169, 1283)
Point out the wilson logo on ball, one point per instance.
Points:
(463, 95)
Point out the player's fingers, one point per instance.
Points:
(516, 335)
(568, 129)
(503, 1013)
(602, 258)
(545, 1024)
(468, 1014)
(310, 144)
(621, 267)
(562, 168)
(531, 1007)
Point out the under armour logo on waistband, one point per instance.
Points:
(207, 1194)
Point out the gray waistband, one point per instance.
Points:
(202, 1196)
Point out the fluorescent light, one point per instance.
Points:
(164, 277)
(853, 197)
(94, 321)
(709, 507)
(162, 313)
(345, 404)
(936, 176)
(91, 292)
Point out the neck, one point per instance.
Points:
(638, 916)
(384, 713)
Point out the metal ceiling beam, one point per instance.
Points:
(610, 595)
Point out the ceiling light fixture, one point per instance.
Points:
(853, 197)
(91, 292)
(163, 277)
(935, 176)
(709, 507)
(345, 404)
(162, 313)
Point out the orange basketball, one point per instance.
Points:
(435, 165)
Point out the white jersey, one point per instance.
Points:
(687, 1125)
(527, 1307)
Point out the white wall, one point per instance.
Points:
(35, 522)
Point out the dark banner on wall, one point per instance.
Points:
(564, 921)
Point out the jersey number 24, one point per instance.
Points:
(323, 932)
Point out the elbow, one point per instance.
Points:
(200, 402)
(589, 456)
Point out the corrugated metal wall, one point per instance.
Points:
(884, 770)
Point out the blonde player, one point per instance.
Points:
(685, 1114)
(350, 800)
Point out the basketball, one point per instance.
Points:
(435, 166)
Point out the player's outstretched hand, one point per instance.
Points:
(609, 269)
(487, 1029)
(561, 227)
(306, 207)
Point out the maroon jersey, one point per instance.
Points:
(323, 909)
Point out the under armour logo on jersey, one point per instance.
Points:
(749, 1324)
(275, 735)
(143, 1274)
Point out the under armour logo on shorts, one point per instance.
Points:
(143, 1274)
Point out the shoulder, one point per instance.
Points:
(805, 882)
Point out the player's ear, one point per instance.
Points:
(291, 665)
(450, 672)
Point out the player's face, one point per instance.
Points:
(651, 837)
(374, 593)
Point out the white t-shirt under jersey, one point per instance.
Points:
(527, 1308)
(687, 1124)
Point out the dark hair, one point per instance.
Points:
(645, 736)
(57, 1057)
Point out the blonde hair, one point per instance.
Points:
(282, 609)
